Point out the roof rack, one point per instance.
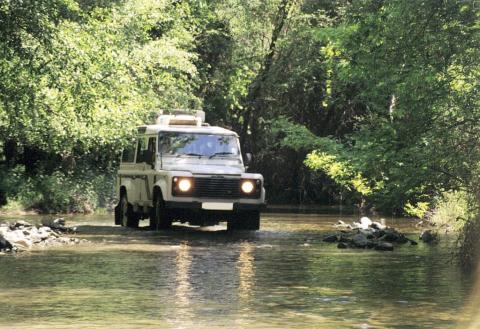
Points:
(181, 118)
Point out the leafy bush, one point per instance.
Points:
(451, 211)
(82, 191)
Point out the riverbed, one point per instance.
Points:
(282, 276)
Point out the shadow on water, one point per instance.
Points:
(178, 233)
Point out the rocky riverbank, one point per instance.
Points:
(21, 235)
(372, 235)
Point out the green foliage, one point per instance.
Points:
(82, 191)
(452, 210)
(340, 171)
(418, 210)
(89, 78)
(402, 79)
(377, 101)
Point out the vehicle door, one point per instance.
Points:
(127, 167)
(146, 194)
(145, 167)
(139, 172)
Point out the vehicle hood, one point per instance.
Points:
(206, 169)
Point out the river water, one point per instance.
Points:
(282, 276)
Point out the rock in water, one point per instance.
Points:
(341, 224)
(20, 223)
(18, 239)
(384, 246)
(330, 238)
(4, 244)
(360, 240)
(390, 235)
(428, 236)
(365, 223)
(402, 238)
(378, 226)
(59, 222)
(342, 245)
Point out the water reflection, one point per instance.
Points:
(183, 288)
(246, 271)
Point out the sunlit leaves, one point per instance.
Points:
(91, 76)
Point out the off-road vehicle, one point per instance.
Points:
(182, 169)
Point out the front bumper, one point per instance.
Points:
(196, 205)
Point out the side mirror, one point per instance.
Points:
(247, 159)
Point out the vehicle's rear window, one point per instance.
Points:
(128, 154)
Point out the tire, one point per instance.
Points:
(159, 218)
(124, 214)
(245, 220)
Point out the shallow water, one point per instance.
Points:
(282, 276)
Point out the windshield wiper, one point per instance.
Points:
(220, 153)
(190, 154)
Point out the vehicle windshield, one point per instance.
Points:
(193, 144)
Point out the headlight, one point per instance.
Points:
(184, 185)
(247, 187)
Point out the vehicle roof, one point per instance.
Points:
(154, 129)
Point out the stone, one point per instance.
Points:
(18, 239)
(356, 226)
(401, 239)
(384, 246)
(428, 236)
(390, 235)
(59, 221)
(44, 233)
(23, 243)
(342, 224)
(368, 233)
(13, 236)
(378, 226)
(330, 238)
(342, 245)
(45, 229)
(365, 222)
(360, 241)
(344, 237)
(4, 244)
(4, 229)
(20, 223)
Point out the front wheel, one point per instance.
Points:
(245, 220)
(124, 214)
(159, 218)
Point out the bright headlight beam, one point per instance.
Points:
(247, 187)
(184, 185)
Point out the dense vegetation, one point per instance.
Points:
(370, 103)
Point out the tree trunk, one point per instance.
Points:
(10, 150)
(254, 98)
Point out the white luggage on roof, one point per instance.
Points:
(181, 119)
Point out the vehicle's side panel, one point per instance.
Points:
(162, 181)
(127, 165)
(144, 170)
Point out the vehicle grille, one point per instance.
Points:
(221, 188)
